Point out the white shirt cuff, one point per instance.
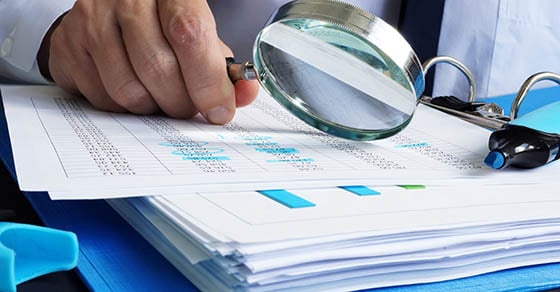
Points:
(21, 45)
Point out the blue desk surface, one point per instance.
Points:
(114, 257)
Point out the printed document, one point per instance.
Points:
(64, 146)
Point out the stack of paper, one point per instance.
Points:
(348, 239)
(267, 203)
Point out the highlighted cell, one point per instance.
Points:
(277, 150)
(206, 158)
(360, 190)
(302, 160)
(287, 199)
(413, 145)
(262, 144)
(198, 152)
(185, 144)
(412, 187)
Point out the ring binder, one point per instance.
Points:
(525, 142)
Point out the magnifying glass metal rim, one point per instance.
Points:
(359, 23)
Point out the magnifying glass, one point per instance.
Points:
(337, 67)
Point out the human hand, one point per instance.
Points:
(145, 56)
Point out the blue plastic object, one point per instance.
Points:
(29, 251)
(530, 141)
(545, 119)
(495, 159)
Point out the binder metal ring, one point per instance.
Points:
(526, 86)
(457, 64)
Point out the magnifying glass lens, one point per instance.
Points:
(334, 79)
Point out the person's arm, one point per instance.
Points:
(145, 56)
(23, 24)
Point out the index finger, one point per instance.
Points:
(190, 29)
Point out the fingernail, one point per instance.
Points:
(219, 115)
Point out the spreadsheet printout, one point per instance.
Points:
(62, 144)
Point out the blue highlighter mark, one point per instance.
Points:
(198, 152)
(206, 158)
(287, 199)
(302, 160)
(186, 144)
(413, 145)
(361, 190)
(262, 144)
(277, 150)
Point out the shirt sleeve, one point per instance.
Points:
(23, 25)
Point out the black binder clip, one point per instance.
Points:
(488, 115)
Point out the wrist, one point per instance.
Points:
(43, 54)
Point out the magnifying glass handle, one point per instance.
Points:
(240, 71)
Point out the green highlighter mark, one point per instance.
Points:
(412, 187)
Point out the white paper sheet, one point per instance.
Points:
(250, 217)
(63, 146)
